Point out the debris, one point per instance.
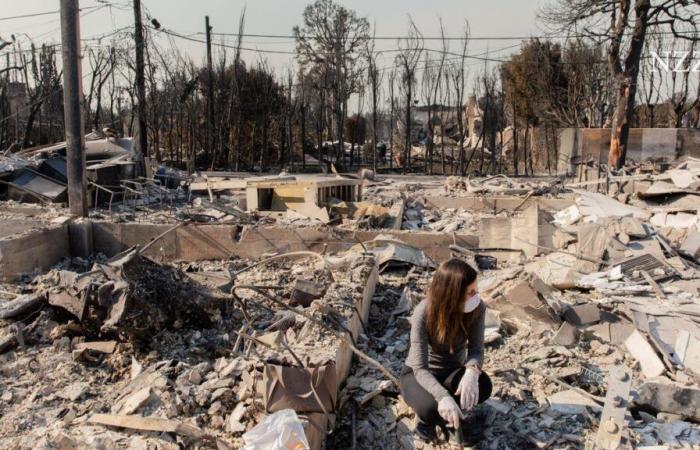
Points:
(389, 251)
(136, 422)
(570, 402)
(28, 185)
(21, 305)
(567, 216)
(383, 385)
(567, 335)
(687, 350)
(522, 300)
(185, 333)
(691, 245)
(233, 424)
(130, 308)
(643, 352)
(598, 206)
(666, 396)
(530, 232)
(593, 241)
(135, 401)
(305, 291)
(582, 314)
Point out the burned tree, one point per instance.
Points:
(430, 82)
(333, 36)
(410, 51)
(457, 74)
(374, 81)
(625, 24)
(392, 116)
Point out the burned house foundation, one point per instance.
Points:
(192, 325)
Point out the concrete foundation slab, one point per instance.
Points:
(36, 251)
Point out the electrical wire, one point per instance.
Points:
(46, 13)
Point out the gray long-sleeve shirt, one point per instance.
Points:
(425, 355)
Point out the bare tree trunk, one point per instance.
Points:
(626, 80)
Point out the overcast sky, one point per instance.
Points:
(487, 18)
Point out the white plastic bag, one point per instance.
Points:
(279, 431)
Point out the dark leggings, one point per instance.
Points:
(422, 401)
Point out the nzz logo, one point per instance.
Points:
(685, 61)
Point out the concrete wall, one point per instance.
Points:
(644, 143)
(202, 242)
(34, 252)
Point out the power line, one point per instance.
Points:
(58, 45)
(46, 13)
(286, 52)
(447, 38)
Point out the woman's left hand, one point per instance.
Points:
(468, 389)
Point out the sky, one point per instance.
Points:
(487, 18)
(496, 26)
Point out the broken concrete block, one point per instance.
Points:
(305, 291)
(687, 350)
(529, 232)
(556, 270)
(567, 335)
(135, 401)
(233, 424)
(633, 227)
(521, 301)
(691, 245)
(582, 314)
(639, 347)
(570, 402)
(106, 347)
(270, 339)
(567, 216)
(562, 239)
(593, 240)
(615, 333)
(665, 396)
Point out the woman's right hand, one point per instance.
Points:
(449, 410)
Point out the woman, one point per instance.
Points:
(442, 380)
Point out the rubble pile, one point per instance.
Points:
(611, 290)
(419, 217)
(134, 354)
(592, 323)
(501, 185)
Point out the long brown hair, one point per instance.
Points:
(446, 298)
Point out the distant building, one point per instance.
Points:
(475, 121)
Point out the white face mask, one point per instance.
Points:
(471, 303)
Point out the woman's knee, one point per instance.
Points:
(427, 411)
(421, 401)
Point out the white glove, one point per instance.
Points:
(449, 410)
(468, 389)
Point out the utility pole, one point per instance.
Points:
(210, 91)
(72, 108)
(141, 143)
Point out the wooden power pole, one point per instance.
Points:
(72, 108)
(141, 143)
(210, 92)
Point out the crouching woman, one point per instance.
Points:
(442, 379)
